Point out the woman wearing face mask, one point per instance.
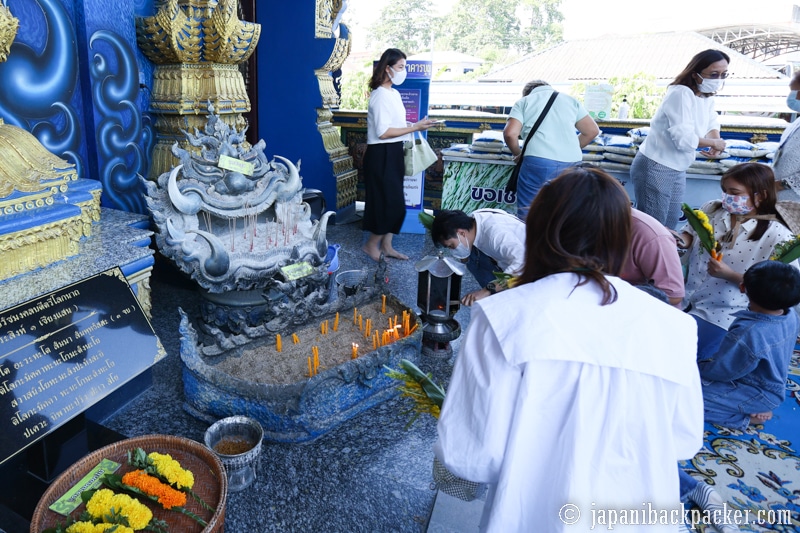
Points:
(748, 227)
(786, 164)
(685, 121)
(487, 240)
(384, 206)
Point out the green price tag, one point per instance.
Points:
(297, 270)
(72, 498)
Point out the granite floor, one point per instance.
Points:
(369, 474)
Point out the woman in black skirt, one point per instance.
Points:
(385, 209)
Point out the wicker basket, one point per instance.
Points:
(210, 482)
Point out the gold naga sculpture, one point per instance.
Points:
(30, 177)
(196, 46)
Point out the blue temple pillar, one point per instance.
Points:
(295, 93)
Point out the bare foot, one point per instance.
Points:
(374, 253)
(760, 418)
(395, 254)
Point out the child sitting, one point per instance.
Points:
(745, 379)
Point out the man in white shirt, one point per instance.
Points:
(488, 241)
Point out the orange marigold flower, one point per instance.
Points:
(167, 496)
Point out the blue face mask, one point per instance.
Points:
(793, 102)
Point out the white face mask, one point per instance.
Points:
(709, 86)
(397, 77)
(461, 251)
(793, 102)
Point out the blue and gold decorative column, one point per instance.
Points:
(197, 46)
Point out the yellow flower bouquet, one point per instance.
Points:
(115, 509)
(110, 512)
(787, 251)
(420, 387)
(699, 222)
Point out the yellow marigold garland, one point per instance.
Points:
(420, 387)
(168, 470)
(105, 502)
(787, 251)
(90, 527)
(699, 222)
(171, 469)
(167, 496)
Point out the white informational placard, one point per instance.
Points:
(412, 189)
(597, 100)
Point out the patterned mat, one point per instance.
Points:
(757, 471)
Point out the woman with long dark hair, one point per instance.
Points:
(747, 226)
(685, 121)
(384, 206)
(573, 390)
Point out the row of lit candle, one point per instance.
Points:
(386, 337)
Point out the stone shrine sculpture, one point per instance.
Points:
(236, 222)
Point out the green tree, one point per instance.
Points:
(475, 25)
(355, 91)
(641, 92)
(545, 29)
(404, 25)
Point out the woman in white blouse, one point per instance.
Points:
(384, 206)
(747, 226)
(685, 121)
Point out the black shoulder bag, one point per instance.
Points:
(511, 186)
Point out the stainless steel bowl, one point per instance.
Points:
(241, 468)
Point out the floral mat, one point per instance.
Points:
(757, 471)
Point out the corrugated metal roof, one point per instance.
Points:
(663, 55)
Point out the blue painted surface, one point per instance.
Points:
(44, 215)
(72, 80)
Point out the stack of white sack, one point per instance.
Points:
(488, 145)
(616, 152)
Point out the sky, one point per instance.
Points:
(591, 18)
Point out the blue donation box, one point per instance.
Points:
(415, 92)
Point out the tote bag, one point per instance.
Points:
(418, 155)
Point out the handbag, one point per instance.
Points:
(511, 185)
(417, 155)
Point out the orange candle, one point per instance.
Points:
(354, 315)
(369, 327)
(316, 359)
(295, 338)
(322, 328)
(355, 351)
(310, 369)
(375, 341)
(336, 322)
(278, 345)
(360, 323)
(383, 303)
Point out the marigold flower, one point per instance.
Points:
(89, 527)
(104, 501)
(167, 496)
(171, 470)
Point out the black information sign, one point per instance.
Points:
(65, 351)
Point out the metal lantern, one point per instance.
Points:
(439, 299)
